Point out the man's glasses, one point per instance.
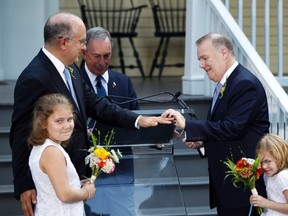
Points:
(81, 42)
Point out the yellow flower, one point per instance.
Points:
(101, 153)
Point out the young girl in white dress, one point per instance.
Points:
(273, 153)
(58, 186)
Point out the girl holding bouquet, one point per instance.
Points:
(272, 150)
(58, 186)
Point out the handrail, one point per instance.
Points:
(266, 15)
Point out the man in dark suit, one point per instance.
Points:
(234, 125)
(97, 58)
(116, 194)
(65, 38)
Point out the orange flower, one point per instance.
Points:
(246, 171)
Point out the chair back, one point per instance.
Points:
(169, 17)
(119, 17)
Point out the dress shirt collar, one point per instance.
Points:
(56, 62)
(92, 76)
(228, 72)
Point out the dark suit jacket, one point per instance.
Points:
(119, 85)
(237, 122)
(40, 77)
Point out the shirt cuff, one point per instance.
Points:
(136, 122)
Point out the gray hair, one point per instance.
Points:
(98, 33)
(218, 41)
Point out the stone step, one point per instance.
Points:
(9, 206)
(4, 141)
(5, 115)
(6, 170)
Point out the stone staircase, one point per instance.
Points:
(191, 169)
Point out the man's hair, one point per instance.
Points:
(59, 25)
(98, 33)
(218, 41)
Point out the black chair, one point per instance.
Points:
(169, 20)
(120, 18)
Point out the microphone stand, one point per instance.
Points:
(201, 150)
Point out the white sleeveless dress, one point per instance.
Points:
(275, 186)
(48, 204)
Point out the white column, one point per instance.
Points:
(1, 41)
(21, 33)
(195, 81)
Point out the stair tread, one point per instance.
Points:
(6, 189)
(5, 158)
(4, 129)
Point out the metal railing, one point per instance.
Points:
(220, 20)
(265, 24)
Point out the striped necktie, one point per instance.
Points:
(216, 94)
(70, 85)
(101, 92)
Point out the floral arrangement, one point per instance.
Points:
(101, 158)
(70, 69)
(245, 171)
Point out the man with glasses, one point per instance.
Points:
(48, 72)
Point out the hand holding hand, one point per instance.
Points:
(179, 119)
(28, 198)
(152, 121)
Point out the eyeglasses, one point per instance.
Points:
(81, 42)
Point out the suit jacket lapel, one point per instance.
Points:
(85, 77)
(230, 79)
(111, 84)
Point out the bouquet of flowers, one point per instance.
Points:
(245, 171)
(101, 158)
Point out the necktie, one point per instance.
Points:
(101, 92)
(70, 86)
(216, 94)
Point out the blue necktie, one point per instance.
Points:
(216, 94)
(101, 92)
(99, 87)
(70, 86)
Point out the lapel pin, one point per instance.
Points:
(113, 85)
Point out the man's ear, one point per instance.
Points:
(62, 42)
(224, 52)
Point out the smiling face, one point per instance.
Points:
(212, 60)
(60, 124)
(98, 55)
(76, 43)
(268, 163)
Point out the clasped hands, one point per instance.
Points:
(179, 121)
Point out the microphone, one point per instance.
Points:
(174, 97)
(183, 104)
(145, 98)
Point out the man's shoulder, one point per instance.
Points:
(117, 75)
